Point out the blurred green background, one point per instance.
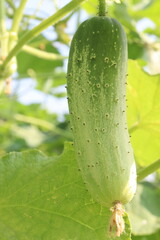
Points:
(38, 104)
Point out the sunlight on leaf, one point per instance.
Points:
(143, 98)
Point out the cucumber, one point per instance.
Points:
(96, 86)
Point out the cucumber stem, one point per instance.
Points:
(148, 170)
(117, 222)
(102, 8)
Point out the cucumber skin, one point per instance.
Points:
(96, 85)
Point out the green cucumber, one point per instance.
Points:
(96, 85)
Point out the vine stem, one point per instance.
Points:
(102, 8)
(13, 36)
(134, 127)
(3, 31)
(42, 123)
(18, 16)
(11, 4)
(39, 28)
(42, 54)
(148, 170)
(2, 17)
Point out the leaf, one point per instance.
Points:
(135, 47)
(138, 5)
(31, 134)
(151, 11)
(35, 64)
(47, 84)
(144, 211)
(153, 31)
(27, 117)
(91, 6)
(117, 1)
(147, 237)
(120, 12)
(45, 198)
(143, 95)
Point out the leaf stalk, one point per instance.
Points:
(148, 170)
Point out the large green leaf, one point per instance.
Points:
(144, 211)
(144, 113)
(44, 198)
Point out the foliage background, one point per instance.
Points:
(35, 115)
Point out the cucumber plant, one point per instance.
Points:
(96, 84)
(96, 80)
